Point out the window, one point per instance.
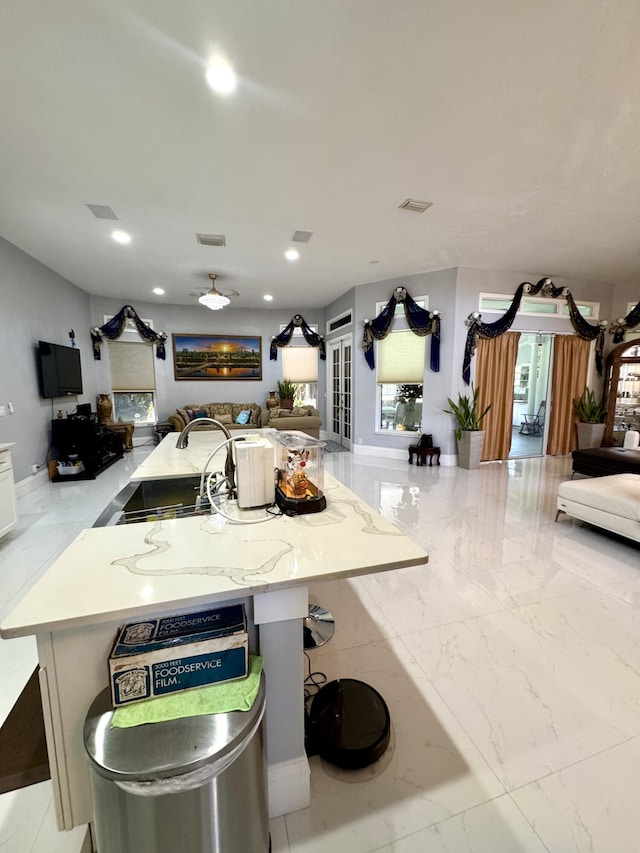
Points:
(340, 322)
(535, 306)
(130, 332)
(300, 365)
(421, 302)
(133, 382)
(399, 375)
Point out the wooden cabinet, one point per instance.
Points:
(8, 512)
(622, 392)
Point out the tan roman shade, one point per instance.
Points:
(131, 366)
(300, 364)
(400, 359)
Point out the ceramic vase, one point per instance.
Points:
(104, 407)
(272, 401)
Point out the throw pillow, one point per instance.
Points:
(196, 413)
(224, 418)
(244, 416)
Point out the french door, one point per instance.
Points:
(339, 391)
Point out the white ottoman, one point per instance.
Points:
(610, 502)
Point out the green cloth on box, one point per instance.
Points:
(213, 699)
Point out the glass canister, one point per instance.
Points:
(300, 464)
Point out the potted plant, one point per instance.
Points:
(286, 393)
(590, 413)
(469, 433)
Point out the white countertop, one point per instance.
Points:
(132, 570)
(166, 461)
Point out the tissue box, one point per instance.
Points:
(172, 653)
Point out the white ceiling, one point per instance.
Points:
(520, 121)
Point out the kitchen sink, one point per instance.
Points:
(151, 500)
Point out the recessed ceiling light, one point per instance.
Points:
(121, 237)
(158, 291)
(221, 77)
(268, 297)
(292, 254)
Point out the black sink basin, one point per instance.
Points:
(150, 500)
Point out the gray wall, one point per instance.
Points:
(36, 304)
(439, 286)
(455, 293)
(183, 319)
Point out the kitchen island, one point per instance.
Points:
(115, 574)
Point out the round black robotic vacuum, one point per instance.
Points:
(349, 724)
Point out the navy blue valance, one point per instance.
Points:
(546, 288)
(624, 324)
(115, 327)
(283, 339)
(420, 321)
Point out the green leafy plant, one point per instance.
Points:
(286, 389)
(466, 412)
(588, 409)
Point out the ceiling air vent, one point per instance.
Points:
(301, 236)
(103, 211)
(415, 206)
(211, 239)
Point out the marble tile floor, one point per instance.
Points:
(510, 664)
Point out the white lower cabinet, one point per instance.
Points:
(8, 511)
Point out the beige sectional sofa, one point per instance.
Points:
(304, 418)
(226, 413)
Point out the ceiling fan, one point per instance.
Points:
(213, 298)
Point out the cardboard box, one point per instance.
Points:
(166, 655)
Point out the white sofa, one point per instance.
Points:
(611, 502)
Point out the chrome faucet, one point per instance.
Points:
(229, 468)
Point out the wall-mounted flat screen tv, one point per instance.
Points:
(60, 371)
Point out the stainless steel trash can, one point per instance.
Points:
(194, 785)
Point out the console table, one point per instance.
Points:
(125, 430)
(422, 453)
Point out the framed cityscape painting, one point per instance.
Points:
(217, 357)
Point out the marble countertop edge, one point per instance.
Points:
(11, 629)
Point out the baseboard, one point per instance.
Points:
(289, 786)
(397, 453)
(23, 487)
(87, 842)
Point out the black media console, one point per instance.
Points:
(88, 441)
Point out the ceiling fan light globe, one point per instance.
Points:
(214, 301)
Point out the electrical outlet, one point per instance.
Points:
(3, 411)
(35, 469)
